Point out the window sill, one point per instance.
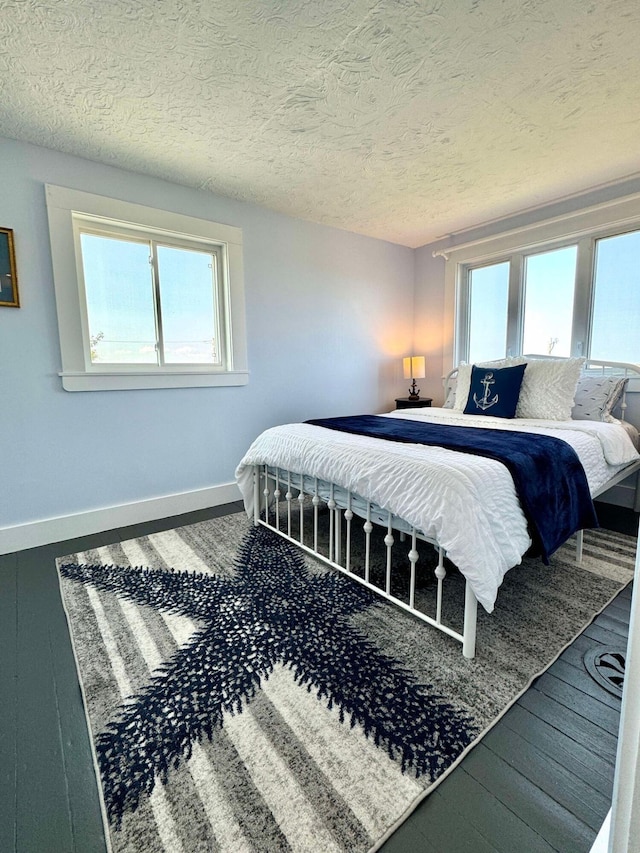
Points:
(142, 380)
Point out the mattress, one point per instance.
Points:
(468, 504)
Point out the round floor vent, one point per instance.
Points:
(606, 667)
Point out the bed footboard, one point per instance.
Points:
(290, 504)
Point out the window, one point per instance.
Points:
(565, 287)
(149, 303)
(547, 314)
(524, 304)
(488, 302)
(616, 302)
(145, 298)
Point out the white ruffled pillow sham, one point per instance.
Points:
(547, 391)
(549, 388)
(451, 396)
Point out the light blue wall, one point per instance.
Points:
(430, 328)
(328, 317)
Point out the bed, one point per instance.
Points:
(465, 505)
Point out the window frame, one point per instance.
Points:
(517, 296)
(67, 210)
(581, 228)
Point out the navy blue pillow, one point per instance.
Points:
(494, 392)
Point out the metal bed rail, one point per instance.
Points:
(280, 496)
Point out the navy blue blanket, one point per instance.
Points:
(548, 476)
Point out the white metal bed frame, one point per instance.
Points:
(280, 495)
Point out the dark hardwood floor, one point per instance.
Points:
(540, 780)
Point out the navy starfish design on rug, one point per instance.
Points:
(274, 610)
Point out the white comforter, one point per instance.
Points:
(467, 504)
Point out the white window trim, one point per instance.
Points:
(77, 372)
(589, 223)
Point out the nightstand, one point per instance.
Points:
(406, 403)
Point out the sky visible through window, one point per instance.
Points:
(122, 318)
(121, 304)
(548, 296)
(548, 302)
(616, 310)
(489, 289)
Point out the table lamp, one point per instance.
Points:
(413, 369)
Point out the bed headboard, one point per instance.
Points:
(628, 409)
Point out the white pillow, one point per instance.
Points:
(548, 388)
(451, 394)
(631, 431)
(463, 383)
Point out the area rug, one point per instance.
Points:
(242, 697)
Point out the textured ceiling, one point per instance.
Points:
(401, 119)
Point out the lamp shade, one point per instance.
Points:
(413, 367)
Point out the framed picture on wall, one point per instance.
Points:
(8, 276)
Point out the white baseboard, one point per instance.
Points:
(601, 844)
(47, 530)
(44, 531)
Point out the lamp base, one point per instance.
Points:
(414, 393)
